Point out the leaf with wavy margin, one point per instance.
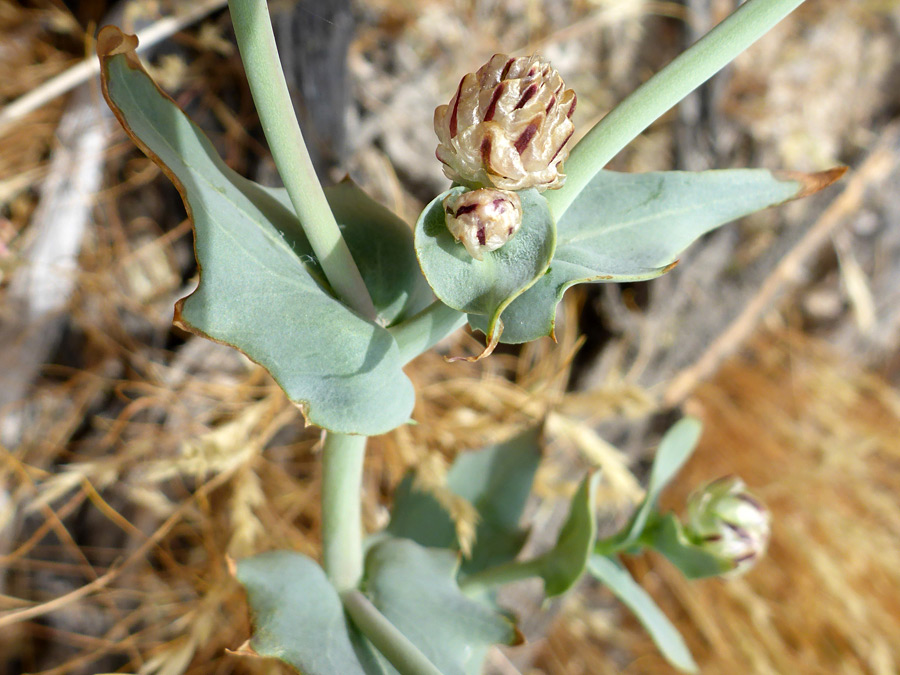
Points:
(633, 227)
(261, 288)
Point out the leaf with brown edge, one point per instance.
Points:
(261, 288)
(244, 650)
(634, 227)
(811, 183)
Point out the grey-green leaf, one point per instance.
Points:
(675, 448)
(564, 564)
(418, 516)
(261, 289)
(667, 638)
(633, 227)
(497, 481)
(667, 536)
(415, 588)
(297, 616)
(382, 246)
(485, 287)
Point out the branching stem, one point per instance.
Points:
(386, 637)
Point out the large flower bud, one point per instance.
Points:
(483, 220)
(729, 522)
(507, 126)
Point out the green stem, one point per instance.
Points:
(256, 41)
(664, 90)
(386, 637)
(421, 332)
(342, 472)
(488, 579)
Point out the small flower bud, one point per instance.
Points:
(729, 522)
(507, 125)
(483, 220)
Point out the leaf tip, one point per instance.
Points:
(691, 422)
(810, 183)
(493, 341)
(178, 316)
(518, 637)
(303, 407)
(231, 566)
(111, 41)
(671, 266)
(244, 650)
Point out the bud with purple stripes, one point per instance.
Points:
(507, 126)
(729, 522)
(484, 219)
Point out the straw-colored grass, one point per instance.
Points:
(819, 441)
(146, 458)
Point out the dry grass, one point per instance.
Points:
(146, 457)
(30, 53)
(817, 439)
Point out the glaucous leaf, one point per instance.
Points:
(487, 286)
(418, 516)
(633, 227)
(382, 246)
(497, 481)
(614, 576)
(564, 564)
(298, 618)
(674, 450)
(415, 589)
(667, 536)
(261, 289)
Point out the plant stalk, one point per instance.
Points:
(421, 332)
(386, 637)
(507, 573)
(256, 42)
(342, 473)
(663, 91)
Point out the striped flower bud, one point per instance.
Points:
(507, 125)
(483, 220)
(729, 522)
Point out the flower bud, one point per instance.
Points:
(507, 126)
(483, 220)
(727, 521)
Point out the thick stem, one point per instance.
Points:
(342, 472)
(256, 41)
(488, 579)
(663, 91)
(386, 637)
(422, 331)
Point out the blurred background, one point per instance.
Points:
(134, 457)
